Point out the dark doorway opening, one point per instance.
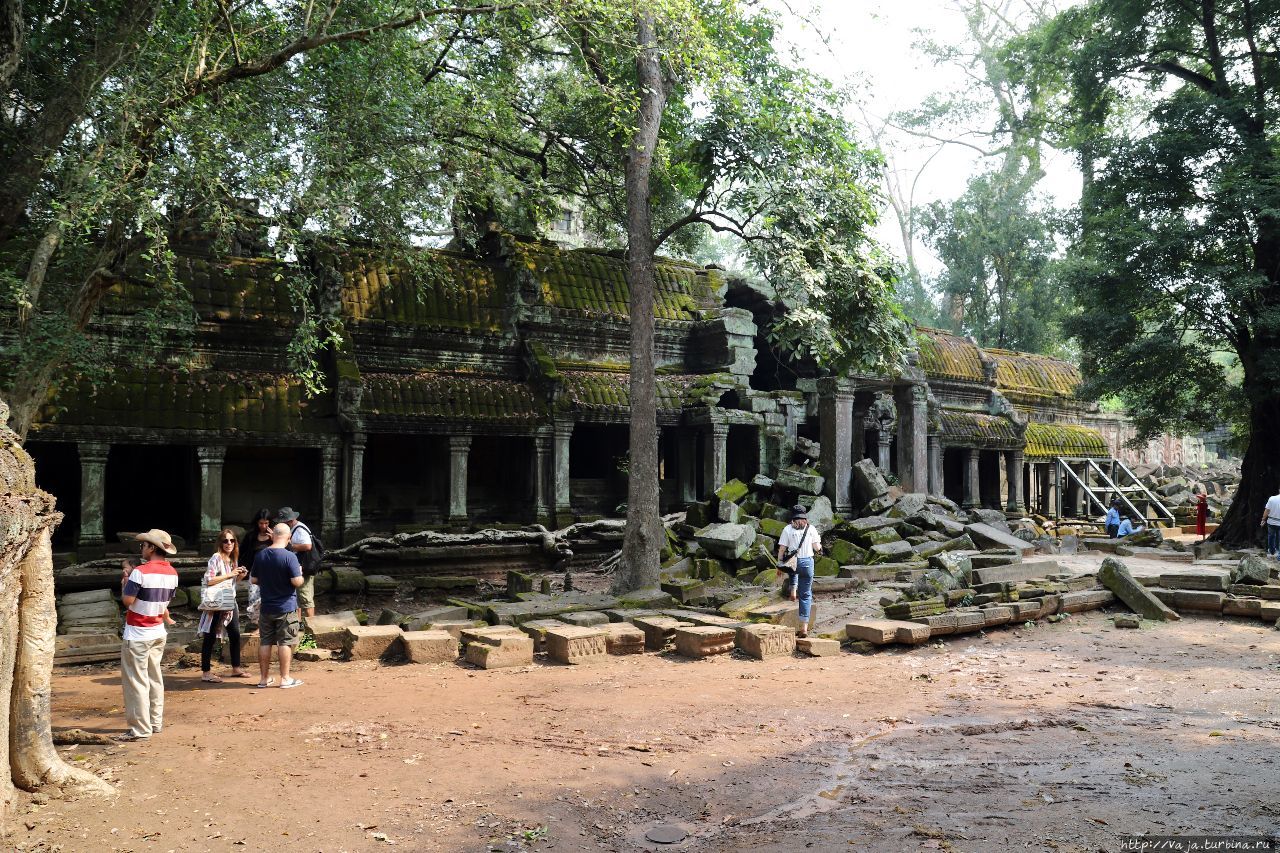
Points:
(597, 453)
(406, 481)
(152, 486)
(58, 473)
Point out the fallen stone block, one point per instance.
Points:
(500, 651)
(626, 614)
(1214, 581)
(969, 620)
(1252, 570)
(1247, 607)
(1270, 611)
(867, 482)
(623, 638)
(329, 629)
(1013, 572)
(1127, 620)
(729, 541)
(576, 644)
(369, 642)
(313, 655)
(1199, 600)
(429, 646)
(537, 631)
(986, 536)
(1269, 592)
(420, 620)
(658, 631)
(69, 613)
(585, 618)
(381, 585)
(1115, 576)
(1091, 599)
(765, 641)
(700, 641)
(991, 559)
(998, 614)
(489, 634)
(87, 596)
(783, 613)
(818, 647)
(882, 632)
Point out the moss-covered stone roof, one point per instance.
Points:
(228, 289)
(1045, 441)
(587, 390)
(439, 289)
(1029, 377)
(164, 398)
(947, 356)
(593, 282)
(977, 429)
(451, 397)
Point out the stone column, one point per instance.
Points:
(884, 444)
(211, 459)
(459, 450)
(935, 466)
(859, 449)
(1013, 473)
(971, 479)
(716, 460)
(835, 419)
(686, 466)
(355, 481)
(563, 432)
(93, 479)
(329, 493)
(913, 438)
(542, 476)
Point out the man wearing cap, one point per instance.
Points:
(798, 539)
(146, 592)
(300, 543)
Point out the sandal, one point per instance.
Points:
(212, 679)
(290, 682)
(267, 683)
(238, 675)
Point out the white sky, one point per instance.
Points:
(870, 44)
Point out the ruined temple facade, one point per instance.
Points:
(492, 386)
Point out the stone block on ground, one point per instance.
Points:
(497, 651)
(87, 596)
(347, 579)
(369, 642)
(313, 655)
(1252, 570)
(429, 646)
(1248, 607)
(1198, 601)
(1208, 579)
(328, 628)
(783, 612)
(420, 620)
(867, 482)
(1127, 620)
(882, 632)
(658, 631)
(805, 481)
(1115, 576)
(729, 541)
(818, 647)
(623, 638)
(701, 641)
(537, 631)
(1091, 599)
(381, 584)
(1013, 572)
(997, 614)
(890, 552)
(763, 641)
(988, 536)
(733, 491)
(585, 618)
(1269, 611)
(576, 644)
(489, 634)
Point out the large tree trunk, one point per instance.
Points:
(1259, 475)
(28, 624)
(642, 545)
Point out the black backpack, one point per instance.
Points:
(312, 559)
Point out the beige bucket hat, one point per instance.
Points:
(158, 538)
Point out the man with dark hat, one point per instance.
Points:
(797, 545)
(300, 543)
(146, 591)
(1113, 519)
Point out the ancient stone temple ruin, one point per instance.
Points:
(491, 386)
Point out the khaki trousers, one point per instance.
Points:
(143, 684)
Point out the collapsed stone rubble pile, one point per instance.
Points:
(1173, 486)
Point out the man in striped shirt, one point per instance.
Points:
(146, 592)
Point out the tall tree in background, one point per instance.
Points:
(1172, 108)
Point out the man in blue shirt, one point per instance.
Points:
(1113, 519)
(1127, 527)
(278, 575)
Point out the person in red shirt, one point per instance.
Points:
(1202, 511)
(146, 591)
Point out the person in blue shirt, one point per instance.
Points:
(1126, 527)
(1113, 519)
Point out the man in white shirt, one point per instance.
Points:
(800, 540)
(300, 543)
(1271, 518)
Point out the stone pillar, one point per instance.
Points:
(884, 444)
(563, 432)
(541, 477)
(355, 481)
(686, 466)
(459, 450)
(913, 438)
(935, 466)
(1013, 473)
(971, 479)
(716, 461)
(859, 449)
(329, 493)
(835, 419)
(93, 479)
(211, 459)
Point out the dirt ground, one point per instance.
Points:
(1065, 736)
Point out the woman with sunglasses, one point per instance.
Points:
(224, 567)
